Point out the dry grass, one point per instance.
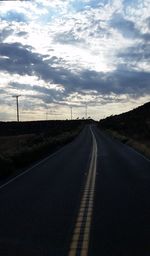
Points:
(117, 135)
(21, 150)
(141, 146)
(9, 144)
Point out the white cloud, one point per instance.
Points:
(71, 41)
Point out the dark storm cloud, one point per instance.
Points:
(121, 81)
(4, 33)
(137, 53)
(49, 94)
(9, 31)
(146, 37)
(21, 60)
(2, 91)
(128, 28)
(147, 20)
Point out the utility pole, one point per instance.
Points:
(71, 112)
(17, 103)
(46, 115)
(86, 111)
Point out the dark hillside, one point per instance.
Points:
(134, 125)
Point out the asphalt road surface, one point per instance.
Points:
(90, 198)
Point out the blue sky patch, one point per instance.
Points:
(14, 16)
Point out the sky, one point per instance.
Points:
(63, 54)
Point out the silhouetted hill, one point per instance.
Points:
(134, 124)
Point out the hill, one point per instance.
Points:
(132, 127)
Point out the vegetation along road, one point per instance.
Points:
(89, 198)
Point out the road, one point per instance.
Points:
(90, 198)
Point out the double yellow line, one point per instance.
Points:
(81, 234)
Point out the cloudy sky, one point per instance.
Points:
(62, 53)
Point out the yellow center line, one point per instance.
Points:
(84, 218)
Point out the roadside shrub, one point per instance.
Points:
(35, 152)
(6, 167)
(141, 147)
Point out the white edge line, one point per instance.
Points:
(24, 172)
(32, 167)
(137, 152)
